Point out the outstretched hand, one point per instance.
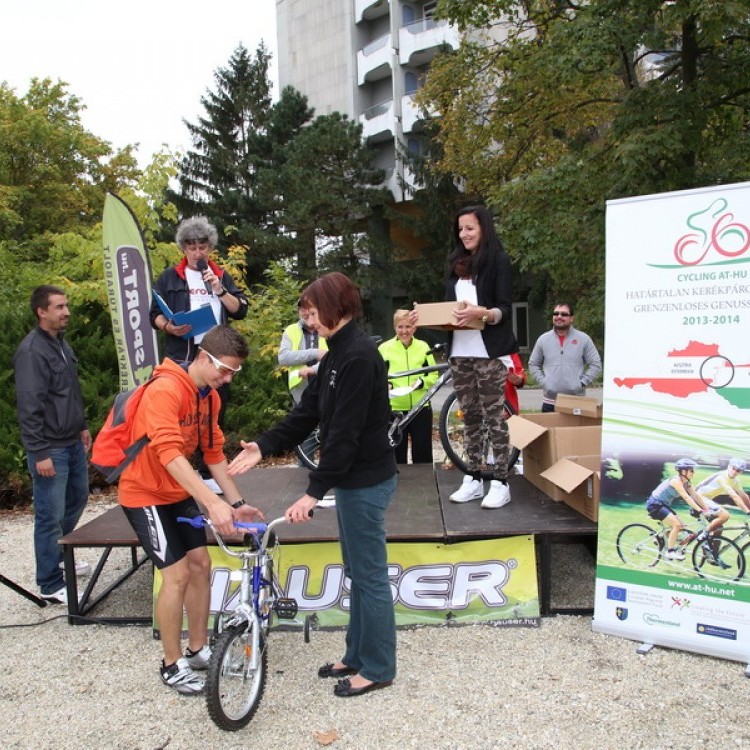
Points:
(245, 460)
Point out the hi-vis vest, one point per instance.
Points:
(294, 332)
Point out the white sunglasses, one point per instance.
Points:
(221, 366)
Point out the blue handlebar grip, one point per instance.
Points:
(198, 522)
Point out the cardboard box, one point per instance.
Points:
(546, 438)
(579, 478)
(439, 315)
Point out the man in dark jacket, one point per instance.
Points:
(54, 433)
(194, 282)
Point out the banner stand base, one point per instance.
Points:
(644, 648)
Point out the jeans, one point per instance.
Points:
(371, 635)
(58, 504)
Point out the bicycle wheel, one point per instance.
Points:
(721, 560)
(639, 545)
(451, 429)
(309, 451)
(234, 687)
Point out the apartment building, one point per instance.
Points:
(365, 58)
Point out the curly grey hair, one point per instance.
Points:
(196, 228)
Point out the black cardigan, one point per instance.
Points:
(348, 398)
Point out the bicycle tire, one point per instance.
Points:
(728, 552)
(451, 429)
(233, 688)
(308, 452)
(639, 545)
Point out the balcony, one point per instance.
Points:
(402, 188)
(378, 123)
(420, 41)
(367, 10)
(374, 60)
(411, 114)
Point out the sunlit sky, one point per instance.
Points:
(139, 67)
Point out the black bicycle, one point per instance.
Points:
(450, 424)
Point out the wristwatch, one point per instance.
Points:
(239, 503)
(485, 318)
(222, 293)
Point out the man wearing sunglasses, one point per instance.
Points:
(194, 282)
(178, 413)
(564, 360)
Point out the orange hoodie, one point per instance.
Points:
(175, 418)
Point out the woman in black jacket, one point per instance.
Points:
(348, 399)
(479, 274)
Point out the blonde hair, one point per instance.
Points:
(398, 316)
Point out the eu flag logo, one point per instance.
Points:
(617, 593)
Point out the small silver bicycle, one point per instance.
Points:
(238, 667)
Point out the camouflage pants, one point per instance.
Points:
(480, 388)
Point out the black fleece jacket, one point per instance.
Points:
(348, 398)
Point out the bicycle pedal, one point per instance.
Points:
(286, 609)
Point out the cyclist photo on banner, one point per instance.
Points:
(479, 274)
(725, 482)
(659, 504)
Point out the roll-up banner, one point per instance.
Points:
(676, 386)
(127, 273)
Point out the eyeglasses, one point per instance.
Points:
(560, 315)
(221, 366)
(194, 243)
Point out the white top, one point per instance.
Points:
(468, 342)
(199, 297)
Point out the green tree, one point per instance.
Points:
(564, 105)
(53, 172)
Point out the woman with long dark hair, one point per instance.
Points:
(479, 274)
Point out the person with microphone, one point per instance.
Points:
(194, 282)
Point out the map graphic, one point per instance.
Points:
(698, 368)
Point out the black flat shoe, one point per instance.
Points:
(344, 689)
(328, 670)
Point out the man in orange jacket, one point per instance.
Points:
(179, 412)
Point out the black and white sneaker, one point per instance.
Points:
(181, 677)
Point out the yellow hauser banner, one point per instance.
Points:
(491, 580)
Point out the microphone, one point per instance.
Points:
(202, 266)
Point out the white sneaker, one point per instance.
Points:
(676, 554)
(470, 489)
(199, 659)
(56, 597)
(498, 495)
(212, 485)
(182, 678)
(82, 568)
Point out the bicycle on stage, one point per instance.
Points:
(238, 666)
(717, 558)
(450, 423)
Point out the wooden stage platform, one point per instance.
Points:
(420, 512)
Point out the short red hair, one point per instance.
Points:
(335, 296)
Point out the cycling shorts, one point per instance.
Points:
(164, 539)
(659, 511)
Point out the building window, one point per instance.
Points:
(411, 82)
(521, 324)
(429, 8)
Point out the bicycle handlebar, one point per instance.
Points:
(256, 528)
(419, 371)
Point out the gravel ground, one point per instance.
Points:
(469, 687)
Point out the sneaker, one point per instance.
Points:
(674, 554)
(198, 659)
(702, 536)
(470, 489)
(181, 677)
(56, 597)
(82, 568)
(498, 495)
(212, 485)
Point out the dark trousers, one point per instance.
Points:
(420, 433)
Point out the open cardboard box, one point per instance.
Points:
(439, 315)
(579, 478)
(546, 438)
